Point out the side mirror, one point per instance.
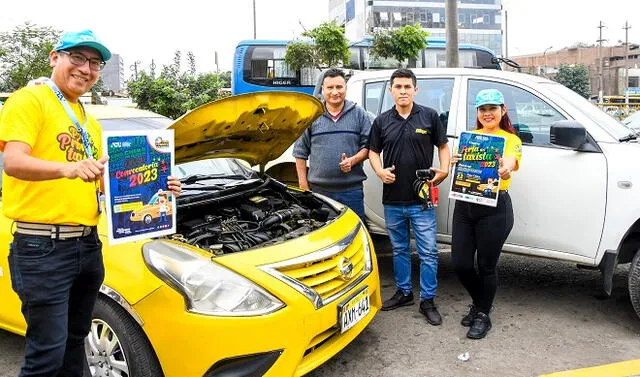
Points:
(568, 133)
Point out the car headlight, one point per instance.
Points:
(208, 288)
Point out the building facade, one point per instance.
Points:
(479, 21)
(613, 66)
(113, 74)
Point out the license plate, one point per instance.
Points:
(353, 310)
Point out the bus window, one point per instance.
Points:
(260, 65)
(268, 63)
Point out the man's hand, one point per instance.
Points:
(88, 170)
(304, 185)
(345, 163)
(439, 176)
(387, 176)
(174, 185)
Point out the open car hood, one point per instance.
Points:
(255, 127)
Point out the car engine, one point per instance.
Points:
(238, 220)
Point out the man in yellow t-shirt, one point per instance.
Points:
(52, 177)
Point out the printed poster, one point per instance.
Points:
(138, 202)
(475, 177)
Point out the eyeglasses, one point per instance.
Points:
(79, 60)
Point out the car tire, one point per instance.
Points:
(130, 356)
(634, 282)
(147, 219)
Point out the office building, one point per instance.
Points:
(479, 21)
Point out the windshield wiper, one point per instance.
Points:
(631, 136)
(200, 177)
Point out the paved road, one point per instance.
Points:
(547, 318)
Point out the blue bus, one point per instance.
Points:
(259, 65)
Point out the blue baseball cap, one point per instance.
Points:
(82, 38)
(489, 97)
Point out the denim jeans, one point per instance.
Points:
(57, 282)
(353, 199)
(423, 223)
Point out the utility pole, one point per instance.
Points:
(506, 35)
(134, 68)
(451, 27)
(600, 64)
(254, 19)
(626, 61)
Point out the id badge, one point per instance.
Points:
(98, 201)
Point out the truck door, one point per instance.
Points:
(558, 195)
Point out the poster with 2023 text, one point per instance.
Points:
(138, 202)
(475, 177)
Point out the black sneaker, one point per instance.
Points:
(399, 299)
(430, 311)
(480, 327)
(467, 320)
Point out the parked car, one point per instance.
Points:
(576, 196)
(260, 279)
(632, 121)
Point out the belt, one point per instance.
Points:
(60, 232)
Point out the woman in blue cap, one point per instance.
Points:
(480, 230)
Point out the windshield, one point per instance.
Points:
(609, 124)
(222, 167)
(124, 124)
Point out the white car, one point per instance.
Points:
(576, 196)
(632, 121)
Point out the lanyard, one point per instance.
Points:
(81, 128)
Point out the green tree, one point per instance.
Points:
(24, 54)
(173, 93)
(576, 78)
(401, 44)
(225, 78)
(327, 46)
(191, 61)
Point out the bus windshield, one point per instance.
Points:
(259, 65)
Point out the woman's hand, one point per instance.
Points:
(504, 171)
(455, 158)
(174, 185)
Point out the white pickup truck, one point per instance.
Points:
(576, 196)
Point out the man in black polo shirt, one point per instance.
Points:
(407, 134)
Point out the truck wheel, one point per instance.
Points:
(117, 346)
(634, 283)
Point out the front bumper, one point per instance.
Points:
(301, 336)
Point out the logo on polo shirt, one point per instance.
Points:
(422, 131)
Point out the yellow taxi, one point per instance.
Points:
(150, 211)
(261, 279)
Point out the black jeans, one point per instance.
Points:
(58, 282)
(480, 230)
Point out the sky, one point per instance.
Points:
(143, 30)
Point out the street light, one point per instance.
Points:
(544, 55)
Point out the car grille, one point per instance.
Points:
(324, 275)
